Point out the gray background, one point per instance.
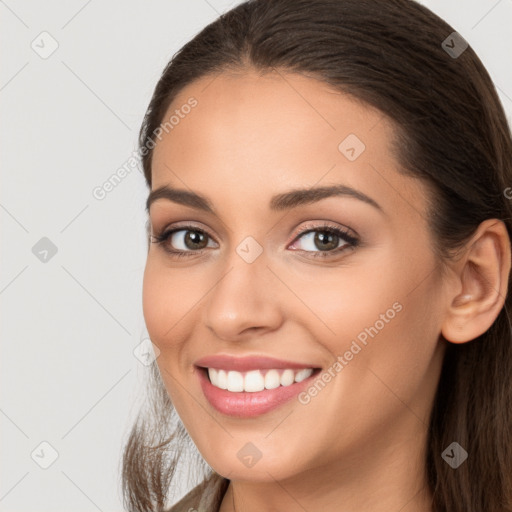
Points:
(72, 320)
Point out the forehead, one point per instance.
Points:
(271, 114)
(273, 132)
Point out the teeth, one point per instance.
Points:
(272, 379)
(287, 378)
(222, 379)
(235, 381)
(253, 381)
(303, 374)
(256, 380)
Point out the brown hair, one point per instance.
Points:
(451, 132)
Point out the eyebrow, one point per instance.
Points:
(279, 202)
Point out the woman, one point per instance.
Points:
(328, 267)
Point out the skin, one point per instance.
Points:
(359, 444)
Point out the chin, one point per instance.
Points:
(249, 465)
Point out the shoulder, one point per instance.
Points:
(205, 497)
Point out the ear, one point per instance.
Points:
(480, 285)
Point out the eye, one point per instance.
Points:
(325, 240)
(321, 240)
(183, 241)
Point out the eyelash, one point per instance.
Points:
(350, 240)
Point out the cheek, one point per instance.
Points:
(162, 304)
(169, 295)
(344, 303)
(165, 300)
(153, 301)
(382, 315)
(398, 330)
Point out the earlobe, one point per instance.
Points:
(481, 283)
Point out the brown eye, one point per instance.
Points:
(324, 241)
(184, 241)
(321, 240)
(188, 239)
(193, 240)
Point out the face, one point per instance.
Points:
(336, 291)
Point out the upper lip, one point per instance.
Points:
(244, 364)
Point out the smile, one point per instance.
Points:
(250, 386)
(256, 380)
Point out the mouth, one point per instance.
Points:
(255, 381)
(250, 387)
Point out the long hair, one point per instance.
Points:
(451, 132)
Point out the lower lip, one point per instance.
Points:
(248, 405)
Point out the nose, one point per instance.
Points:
(245, 299)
